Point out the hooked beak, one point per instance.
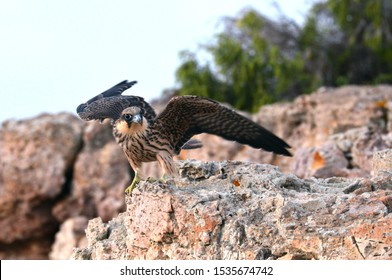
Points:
(137, 119)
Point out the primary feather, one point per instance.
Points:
(110, 104)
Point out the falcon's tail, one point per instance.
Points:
(192, 144)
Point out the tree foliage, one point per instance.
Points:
(256, 60)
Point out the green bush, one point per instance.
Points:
(256, 60)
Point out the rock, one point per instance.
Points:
(235, 210)
(71, 235)
(382, 163)
(37, 157)
(55, 168)
(310, 120)
(97, 235)
(347, 154)
(31, 249)
(101, 173)
(213, 147)
(365, 146)
(324, 162)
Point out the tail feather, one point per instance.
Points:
(192, 144)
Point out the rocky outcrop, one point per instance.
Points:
(101, 172)
(310, 119)
(56, 168)
(346, 154)
(57, 172)
(236, 210)
(382, 163)
(37, 157)
(70, 235)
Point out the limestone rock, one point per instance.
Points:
(54, 168)
(347, 154)
(365, 146)
(310, 120)
(324, 162)
(70, 235)
(37, 156)
(235, 210)
(105, 248)
(101, 173)
(31, 249)
(382, 163)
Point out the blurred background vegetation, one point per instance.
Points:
(256, 60)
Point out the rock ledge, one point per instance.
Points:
(236, 210)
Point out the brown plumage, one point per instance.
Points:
(145, 137)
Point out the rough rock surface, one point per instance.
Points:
(55, 168)
(311, 119)
(101, 172)
(347, 154)
(36, 158)
(70, 235)
(382, 163)
(236, 210)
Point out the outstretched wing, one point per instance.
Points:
(186, 116)
(110, 104)
(113, 91)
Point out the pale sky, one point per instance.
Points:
(56, 54)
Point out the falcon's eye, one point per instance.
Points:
(127, 117)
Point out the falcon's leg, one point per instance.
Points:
(168, 166)
(135, 181)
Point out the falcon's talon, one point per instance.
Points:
(152, 180)
(155, 180)
(131, 187)
(165, 179)
(146, 137)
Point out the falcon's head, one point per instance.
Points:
(131, 121)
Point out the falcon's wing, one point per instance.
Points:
(110, 104)
(113, 91)
(186, 116)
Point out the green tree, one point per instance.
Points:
(256, 60)
(249, 69)
(348, 42)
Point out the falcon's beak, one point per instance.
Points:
(137, 119)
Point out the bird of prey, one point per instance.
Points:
(145, 136)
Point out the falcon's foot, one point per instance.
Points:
(153, 180)
(163, 180)
(135, 181)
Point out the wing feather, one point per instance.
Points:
(110, 104)
(113, 91)
(186, 116)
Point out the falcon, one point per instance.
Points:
(145, 136)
